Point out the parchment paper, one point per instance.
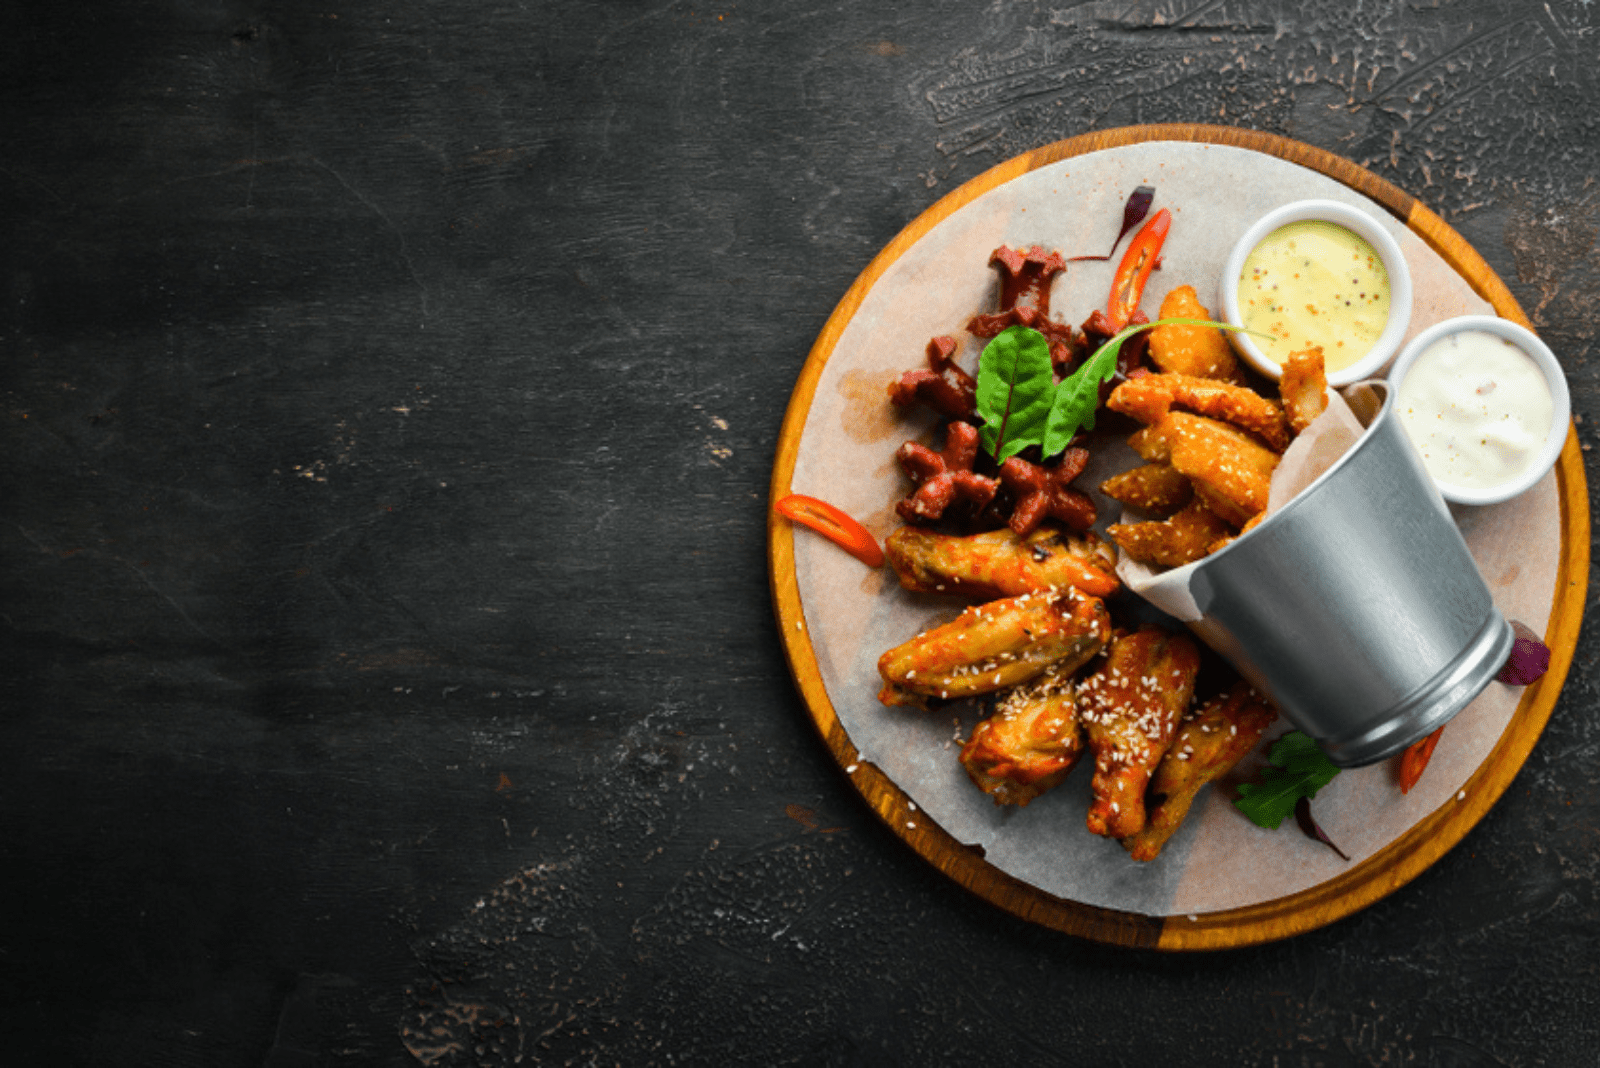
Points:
(1219, 860)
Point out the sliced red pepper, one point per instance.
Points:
(1415, 759)
(834, 525)
(1134, 270)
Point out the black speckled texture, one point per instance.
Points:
(389, 398)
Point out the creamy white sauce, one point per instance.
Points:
(1478, 409)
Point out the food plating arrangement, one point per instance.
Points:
(1069, 666)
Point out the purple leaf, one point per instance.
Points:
(1530, 657)
(1309, 827)
(1133, 214)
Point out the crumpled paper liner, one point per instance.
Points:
(1218, 860)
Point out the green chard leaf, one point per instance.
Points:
(1300, 768)
(1015, 388)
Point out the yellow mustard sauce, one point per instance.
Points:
(1314, 283)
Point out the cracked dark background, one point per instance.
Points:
(390, 393)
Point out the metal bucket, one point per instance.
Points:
(1356, 606)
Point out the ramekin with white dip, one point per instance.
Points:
(1486, 404)
(1318, 272)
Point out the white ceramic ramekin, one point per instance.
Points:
(1360, 223)
(1561, 400)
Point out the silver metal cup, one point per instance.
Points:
(1356, 606)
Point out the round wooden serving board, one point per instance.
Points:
(1383, 871)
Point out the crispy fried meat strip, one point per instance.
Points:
(942, 477)
(1046, 491)
(1030, 743)
(1303, 387)
(1154, 488)
(1130, 706)
(997, 563)
(1230, 469)
(992, 646)
(944, 387)
(1200, 351)
(1191, 533)
(1150, 397)
(1209, 743)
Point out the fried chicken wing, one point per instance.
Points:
(1209, 743)
(997, 563)
(992, 646)
(1188, 535)
(1151, 397)
(1303, 387)
(1201, 351)
(1158, 489)
(1130, 707)
(1030, 743)
(1231, 470)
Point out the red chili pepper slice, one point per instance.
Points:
(834, 525)
(1134, 270)
(1415, 759)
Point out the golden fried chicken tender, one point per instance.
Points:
(1130, 706)
(993, 646)
(1230, 469)
(1303, 387)
(1154, 488)
(997, 563)
(1151, 397)
(1208, 744)
(1201, 351)
(1193, 532)
(1030, 743)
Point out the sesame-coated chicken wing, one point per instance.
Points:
(1030, 743)
(992, 646)
(1150, 397)
(1230, 469)
(997, 563)
(1158, 489)
(1188, 535)
(1303, 387)
(1130, 706)
(1201, 351)
(1209, 743)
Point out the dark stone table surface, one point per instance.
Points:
(390, 394)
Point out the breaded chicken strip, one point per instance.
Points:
(1030, 743)
(1201, 351)
(1184, 538)
(1151, 397)
(997, 563)
(1231, 470)
(1130, 707)
(993, 646)
(1304, 388)
(1209, 743)
(1154, 488)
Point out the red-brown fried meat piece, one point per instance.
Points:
(943, 477)
(997, 563)
(944, 387)
(1209, 743)
(1030, 743)
(993, 646)
(1131, 705)
(1042, 491)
